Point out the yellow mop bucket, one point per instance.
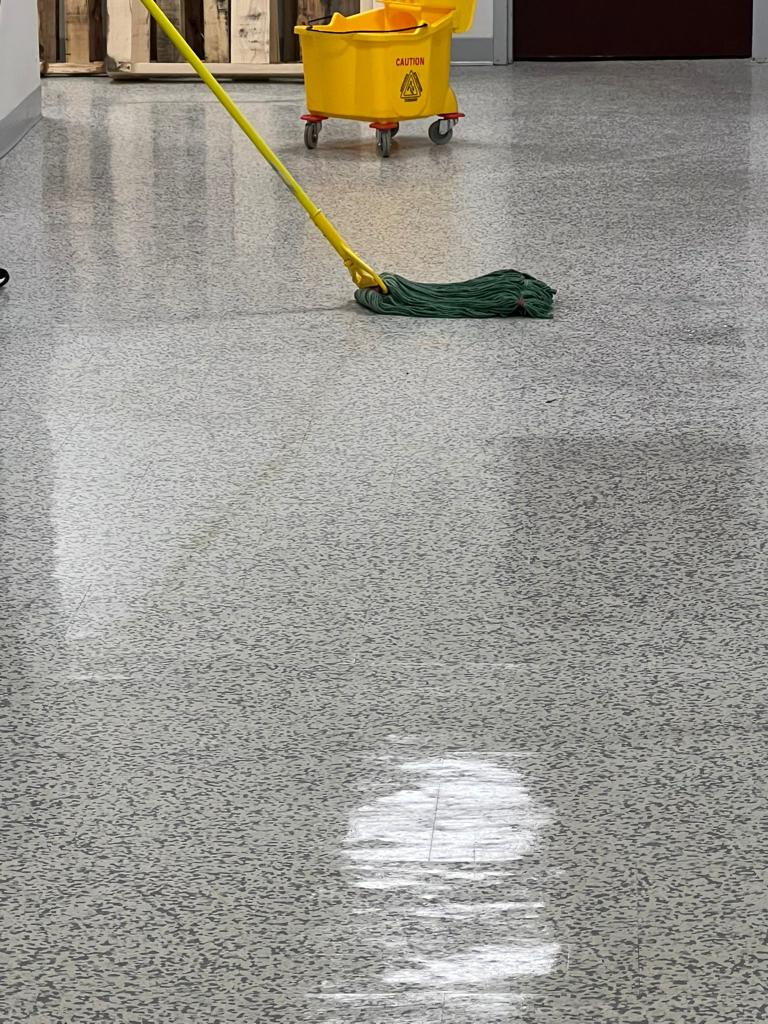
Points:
(384, 66)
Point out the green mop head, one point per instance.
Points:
(502, 293)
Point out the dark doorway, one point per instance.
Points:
(583, 29)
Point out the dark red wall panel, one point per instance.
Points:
(579, 29)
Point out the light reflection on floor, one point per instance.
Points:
(441, 858)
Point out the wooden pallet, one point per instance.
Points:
(157, 69)
(236, 38)
(232, 36)
(71, 37)
(136, 49)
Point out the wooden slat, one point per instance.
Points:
(166, 51)
(94, 67)
(249, 31)
(127, 31)
(48, 11)
(77, 31)
(154, 69)
(119, 30)
(140, 31)
(274, 31)
(216, 29)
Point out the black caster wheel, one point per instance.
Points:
(441, 132)
(395, 130)
(312, 134)
(384, 141)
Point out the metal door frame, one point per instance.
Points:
(503, 16)
(760, 30)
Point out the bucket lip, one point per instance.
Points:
(372, 36)
(326, 30)
(462, 11)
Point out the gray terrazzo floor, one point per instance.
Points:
(368, 671)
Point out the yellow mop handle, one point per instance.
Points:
(362, 274)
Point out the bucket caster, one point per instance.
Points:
(313, 124)
(384, 141)
(441, 131)
(385, 132)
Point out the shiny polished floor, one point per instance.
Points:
(367, 671)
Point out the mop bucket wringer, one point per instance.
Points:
(384, 66)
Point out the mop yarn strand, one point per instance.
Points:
(503, 293)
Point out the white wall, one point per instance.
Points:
(482, 26)
(19, 70)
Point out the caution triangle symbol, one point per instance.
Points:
(411, 88)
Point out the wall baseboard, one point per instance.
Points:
(14, 126)
(472, 51)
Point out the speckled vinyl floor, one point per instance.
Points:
(367, 671)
